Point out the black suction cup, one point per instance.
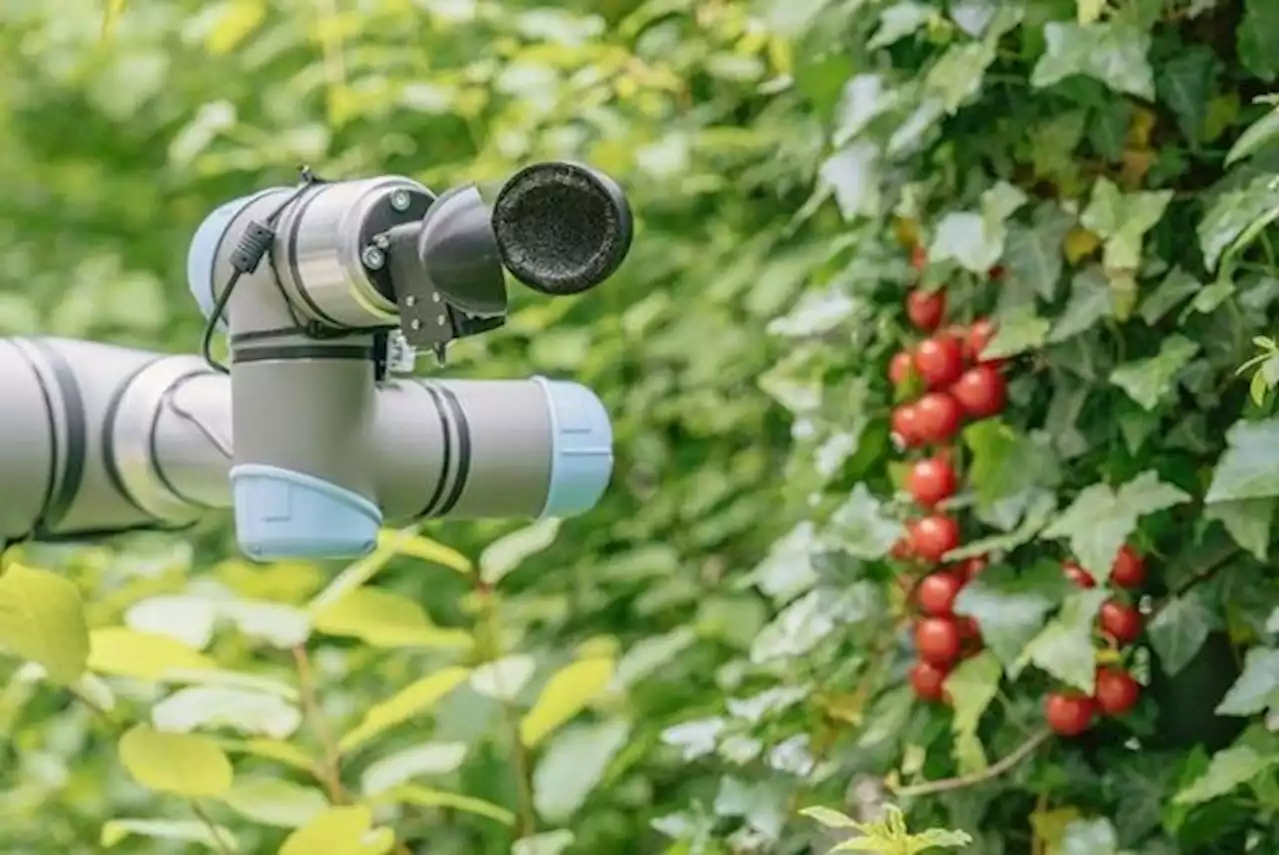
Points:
(458, 250)
(561, 228)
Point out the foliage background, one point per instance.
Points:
(734, 635)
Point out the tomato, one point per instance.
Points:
(1122, 623)
(1078, 574)
(937, 640)
(981, 391)
(1069, 713)
(931, 480)
(937, 417)
(928, 679)
(901, 368)
(940, 361)
(970, 568)
(1115, 690)
(934, 536)
(925, 309)
(919, 257)
(996, 273)
(937, 593)
(1128, 570)
(970, 636)
(976, 340)
(905, 424)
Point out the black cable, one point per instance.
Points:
(255, 243)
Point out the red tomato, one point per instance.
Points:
(971, 568)
(905, 425)
(1115, 690)
(925, 310)
(934, 536)
(980, 391)
(937, 417)
(900, 368)
(940, 361)
(1128, 570)
(919, 257)
(977, 339)
(1122, 623)
(937, 640)
(928, 679)
(1068, 713)
(937, 593)
(931, 480)
(1078, 574)
(996, 273)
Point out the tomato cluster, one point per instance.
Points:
(943, 380)
(1115, 692)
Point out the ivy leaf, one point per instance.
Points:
(565, 695)
(572, 766)
(965, 238)
(1090, 302)
(1008, 470)
(1114, 54)
(971, 686)
(1033, 253)
(1247, 468)
(1064, 648)
(273, 801)
(1228, 769)
(1176, 286)
(852, 174)
(1018, 330)
(897, 22)
(1248, 521)
(1147, 381)
(1187, 83)
(1255, 136)
(1039, 510)
(1235, 213)
(410, 701)
(177, 763)
(864, 97)
(1256, 39)
(860, 526)
(251, 713)
(957, 75)
(1099, 521)
(1011, 607)
(761, 804)
(1123, 218)
(42, 620)
(217, 838)
(1255, 688)
(1180, 629)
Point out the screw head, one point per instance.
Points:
(400, 199)
(372, 258)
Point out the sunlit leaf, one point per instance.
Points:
(116, 831)
(121, 652)
(177, 763)
(416, 698)
(42, 620)
(564, 695)
(272, 801)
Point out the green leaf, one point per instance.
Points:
(418, 697)
(406, 541)
(1255, 689)
(190, 619)
(649, 654)
(384, 619)
(1114, 54)
(418, 796)
(177, 763)
(1039, 510)
(1233, 214)
(1260, 133)
(572, 765)
(1227, 770)
(761, 803)
(503, 679)
(1033, 253)
(546, 843)
(1090, 302)
(1018, 330)
(428, 759)
(1122, 219)
(957, 75)
(861, 527)
(272, 801)
(1088, 837)
(1008, 469)
(1247, 468)
(899, 21)
(828, 817)
(1147, 381)
(1011, 607)
(1064, 648)
(1248, 521)
(1100, 519)
(122, 652)
(852, 174)
(42, 620)
(116, 831)
(864, 97)
(1256, 39)
(251, 713)
(1187, 84)
(1176, 286)
(337, 831)
(971, 686)
(1180, 629)
(506, 553)
(565, 695)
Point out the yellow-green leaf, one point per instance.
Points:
(237, 22)
(179, 763)
(384, 619)
(111, 12)
(272, 801)
(360, 571)
(413, 794)
(417, 546)
(565, 695)
(414, 699)
(1088, 11)
(339, 831)
(42, 620)
(189, 831)
(123, 652)
(271, 749)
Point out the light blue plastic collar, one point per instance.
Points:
(203, 250)
(581, 448)
(285, 514)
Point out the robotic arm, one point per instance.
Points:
(315, 283)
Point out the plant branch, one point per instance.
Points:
(1199, 577)
(330, 772)
(995, 770)
(223, 846)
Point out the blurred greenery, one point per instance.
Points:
(723, 642)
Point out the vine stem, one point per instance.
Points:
(223, 847)
(330, 771)
(995, 770)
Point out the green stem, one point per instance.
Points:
(224, 847)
